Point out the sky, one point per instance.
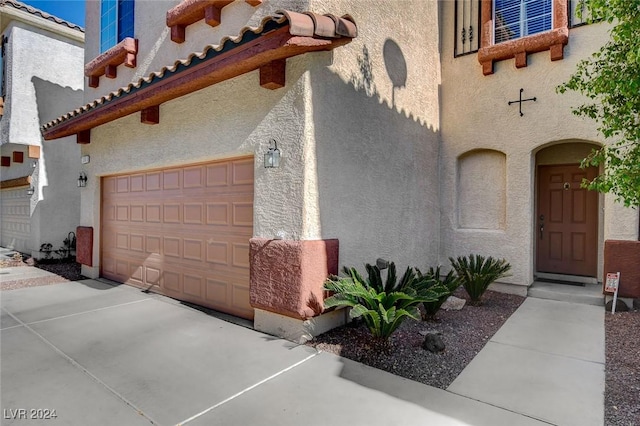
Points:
(69, 10)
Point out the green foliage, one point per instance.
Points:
(476, 273)
(610, 79)
(382, 305)
(446, 286)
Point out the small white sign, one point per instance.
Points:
(613, 279)
(611, 285)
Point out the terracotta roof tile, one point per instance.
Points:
(37, 12)
(300, 24)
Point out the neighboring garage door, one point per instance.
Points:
(16, 219)
(183, 232)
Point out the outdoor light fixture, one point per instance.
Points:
(82, 180)
(272, 157)
(30, 191)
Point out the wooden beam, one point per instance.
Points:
(272, 75)
(18, 157)
(94, 81)
(212, 15)
(111, 71)
(5, 161)
(150, 115)
(84, 137)
(178, 33)
(14, 183)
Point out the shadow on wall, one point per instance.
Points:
(58, 212)
(377, 169)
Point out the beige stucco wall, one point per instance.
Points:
(358, 165)
(43, 81)
(475, 114)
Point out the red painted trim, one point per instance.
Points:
(84, 137)
(278, 44)
(150, 115)
(84, 245)
(553, 40)
(124, 52)
(189, 12)
(272, 75)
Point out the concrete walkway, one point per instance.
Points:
(103, 354)
(546, 362)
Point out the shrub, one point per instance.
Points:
(382, 305)
(447, 286)
(476, 273)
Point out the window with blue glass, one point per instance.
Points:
(116, 22)
(520, 18)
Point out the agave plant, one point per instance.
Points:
(476, 273)
(446, 286)
(382, 305)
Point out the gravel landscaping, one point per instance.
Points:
(464, 334)
(622, 388)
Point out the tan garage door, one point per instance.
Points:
(183, 232)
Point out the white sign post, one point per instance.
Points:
(613, 280)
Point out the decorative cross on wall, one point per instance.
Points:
(520, 101)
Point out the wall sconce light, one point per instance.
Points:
(82, 180)
(34, 164)
(31, 190)
(272, 157)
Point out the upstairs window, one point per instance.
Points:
(514, 19)
(116, 22)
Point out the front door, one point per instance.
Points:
(567, 221)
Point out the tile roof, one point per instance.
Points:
(306, 25)
(37, 12)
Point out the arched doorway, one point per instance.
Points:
(566, 219)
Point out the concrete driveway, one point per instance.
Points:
(90, 352)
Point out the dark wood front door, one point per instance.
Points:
(566, 221)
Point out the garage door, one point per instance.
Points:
(16, 219)
(183, 232)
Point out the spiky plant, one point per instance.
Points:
(382, 305)
(446, 286)
(476, 273)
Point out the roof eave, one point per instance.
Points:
(275, 45)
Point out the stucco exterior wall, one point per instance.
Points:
(43, 81)
(374, 143)
(359, 156)
(476, 115)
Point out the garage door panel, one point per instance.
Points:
(242, 172)
(193, 177)
(154, 213)
(216, 291)
(137, 212)
(218, 252)
(193, 285)
(184, 232)
(242, 214)
(193, 213)
(172, 247)
(171, 281)
(193, 249)
(171, 213)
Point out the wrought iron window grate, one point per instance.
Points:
(467, 27)
(578, 13)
